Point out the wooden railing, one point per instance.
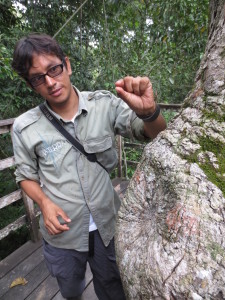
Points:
(30, 218)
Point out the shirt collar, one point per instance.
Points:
(82, 108)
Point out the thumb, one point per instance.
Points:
(64, 216)
(123, 94)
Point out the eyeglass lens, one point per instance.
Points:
(52, 72)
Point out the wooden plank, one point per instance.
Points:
(40, 284)
(120, 154)
(21, 270)
(134, 145)
(6, 125)
(89, 293)
(15, 258)
(7, 163)
(131, 163)
(32, 221)
(170, 106)
(10, 198)
(12, 227)
(46, 290)
(6, 122)
(88, 275)
(58, 296)
(5, 129)
(34, 279)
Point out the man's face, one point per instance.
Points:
(57, 90)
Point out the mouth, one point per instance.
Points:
(56, 92)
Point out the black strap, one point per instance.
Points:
(76, 144)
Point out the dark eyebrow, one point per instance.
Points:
(48, 67)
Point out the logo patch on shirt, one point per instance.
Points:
(53, 151)
(54, 147)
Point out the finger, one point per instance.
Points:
(145, 83)
(122, 93)
(128, 84)
(129, 98)
(61, 228)
(50, 231)
(64, 216)
(119, 83)
(57, 229)
(54, 227)
(136, 85)
(57, 226)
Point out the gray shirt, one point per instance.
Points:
(78, 186)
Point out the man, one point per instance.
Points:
(76, 197)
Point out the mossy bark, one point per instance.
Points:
(170, 238)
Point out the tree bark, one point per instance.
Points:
(170, 238)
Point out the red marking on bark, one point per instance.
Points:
(137, 177)
(197, 93)
(181, 219)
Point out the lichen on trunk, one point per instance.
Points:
(170, 234)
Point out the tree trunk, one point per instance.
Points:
(170, 238)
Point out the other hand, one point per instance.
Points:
(51, 212)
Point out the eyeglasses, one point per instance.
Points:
(52, 72)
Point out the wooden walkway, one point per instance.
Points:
(28, 262)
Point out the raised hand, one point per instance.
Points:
(137, 92)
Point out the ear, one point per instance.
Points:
(68, 66)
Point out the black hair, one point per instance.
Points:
(35, 43)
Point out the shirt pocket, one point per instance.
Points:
(104, 150)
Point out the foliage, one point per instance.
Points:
(16, 97)
(13, 241)
(106, 40)
(17, 238)
(7, 182)
(169, 114)
(7, 16)
(11, 213)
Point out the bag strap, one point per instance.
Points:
(75, 143)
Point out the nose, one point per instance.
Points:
(49, 80)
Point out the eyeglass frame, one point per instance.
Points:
(43, 75)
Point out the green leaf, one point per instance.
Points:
(171, 80)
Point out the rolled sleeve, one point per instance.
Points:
(26, 165)
(127, 123)
(137, 128)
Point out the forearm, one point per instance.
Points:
(49, 209)
(34, 191)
